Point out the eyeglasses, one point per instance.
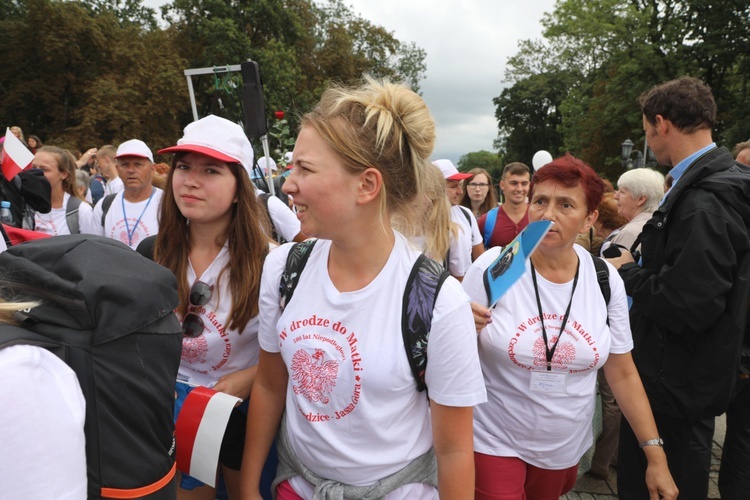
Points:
(192, 324)
(477, 185)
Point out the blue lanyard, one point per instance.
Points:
(125, 216)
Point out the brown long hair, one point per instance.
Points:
(490, 201)
(248, 240)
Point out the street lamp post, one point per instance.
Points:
(627, 161)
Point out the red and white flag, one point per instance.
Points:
(199, 430)
(15, 156)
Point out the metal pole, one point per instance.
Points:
(269, 174)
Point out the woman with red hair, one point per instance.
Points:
(540, 353)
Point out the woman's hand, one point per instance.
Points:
(238, 383)
(624, 258)
(482, 316)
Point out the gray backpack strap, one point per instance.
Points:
(71, 214)
(106, 203)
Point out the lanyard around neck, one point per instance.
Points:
(551, 352)
(125, 216)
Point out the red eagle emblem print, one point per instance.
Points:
(316, 378)
(564, 355)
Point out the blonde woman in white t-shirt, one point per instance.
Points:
(59, 169)
(333, 376)
(212, 238)
(541, 384)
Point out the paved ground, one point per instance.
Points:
(590, 488)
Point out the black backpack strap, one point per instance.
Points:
(71, 214)
(11, 335)
(602, 277)
(466, 213)
(295, 264)
(106, 203)
(146, 247)
(420, 295)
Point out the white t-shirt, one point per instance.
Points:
(461, 249)
(468, 225)
(55, 222)
(457, 261)
(114, 186)
(283, 219)
(353, 412)
(141, 220)
(41, 426)
(551, 430)
(217, 351)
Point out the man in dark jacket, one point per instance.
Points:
(690, 291)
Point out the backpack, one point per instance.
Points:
(96, 186)
(261, 182)
(422, 287)
(106, 204)
(71, 214)
(489, 226)
(108, 313)
(602, 277)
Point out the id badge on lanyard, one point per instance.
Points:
(548, 382)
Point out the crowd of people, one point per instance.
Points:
(638, 294)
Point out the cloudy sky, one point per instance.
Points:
(468, 43)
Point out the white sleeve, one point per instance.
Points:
(86, 219)
(454, 375)
(96, 226)
(476, 236)
(286, 223)
(459, 259)
(473, 282)
(268, 302)
(41, 426)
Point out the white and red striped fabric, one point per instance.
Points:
(15, 156)
(199, 430)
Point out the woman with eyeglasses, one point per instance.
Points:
(212, 238)
(479, 195)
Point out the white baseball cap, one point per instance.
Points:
(450, 172)
(262, 164)
(134, 147)
(218, 138)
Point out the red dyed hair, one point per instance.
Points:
(571, 172)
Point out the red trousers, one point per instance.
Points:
(510, 478)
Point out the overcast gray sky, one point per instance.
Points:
(468, 43)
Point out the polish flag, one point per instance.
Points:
(15, 156)
(199, 430)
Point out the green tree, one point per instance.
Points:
(609, 52)
(300, 47)
(491, 162)
(88, 72)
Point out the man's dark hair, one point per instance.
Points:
(687, 102)
(516, 168)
